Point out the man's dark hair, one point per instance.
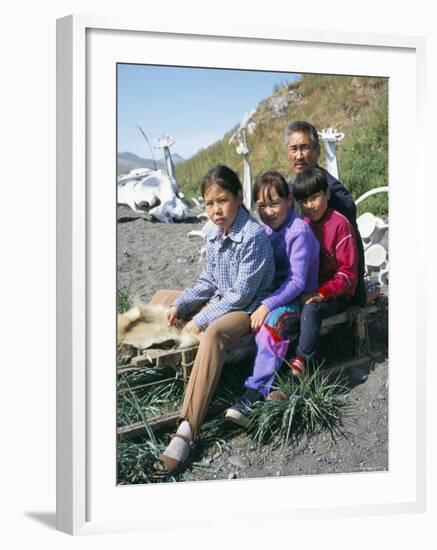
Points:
(308, 182)
(302, 126)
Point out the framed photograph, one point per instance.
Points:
(105, 70)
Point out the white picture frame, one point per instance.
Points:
(87, 499)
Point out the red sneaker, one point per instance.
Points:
(298, 366)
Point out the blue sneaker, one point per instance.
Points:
(239, 413)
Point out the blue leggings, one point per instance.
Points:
(272, 345)
(310, 320)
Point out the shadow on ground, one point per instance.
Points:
(46, 518)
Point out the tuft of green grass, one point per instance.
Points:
(135, 460)
(151, 402)
(124, 301)
(313, 404)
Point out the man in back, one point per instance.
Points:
(303, 150)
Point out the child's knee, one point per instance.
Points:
(309, 312)
(216, 333)
(212, 333)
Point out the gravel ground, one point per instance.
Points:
(364, 449)
(153, 255)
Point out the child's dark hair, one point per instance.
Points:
(270, 180)
(224, 177)
(308, 182)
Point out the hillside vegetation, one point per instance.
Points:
(357, 106)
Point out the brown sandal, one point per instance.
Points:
(167, 466)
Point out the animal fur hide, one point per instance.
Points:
(144, 326)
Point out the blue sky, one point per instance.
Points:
(194, 106)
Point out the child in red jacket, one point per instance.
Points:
(338, 262)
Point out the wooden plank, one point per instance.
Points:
(161, 422)
(130, 368)
(138, 427)
(160, 357)
(147, 385)
(348, 316)
(352, 363)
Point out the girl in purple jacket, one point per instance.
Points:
(296, 253)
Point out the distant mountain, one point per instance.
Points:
(127, 161)
(129, 156)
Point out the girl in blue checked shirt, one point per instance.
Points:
(237, 276)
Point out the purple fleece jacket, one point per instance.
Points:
(296, 251)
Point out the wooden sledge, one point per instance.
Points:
(180, 361)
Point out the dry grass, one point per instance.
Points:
(357, 106)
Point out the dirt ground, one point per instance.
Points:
(153, 255)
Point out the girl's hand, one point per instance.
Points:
(257, 318)
(191, 327)
(311, 297)
(172, 315)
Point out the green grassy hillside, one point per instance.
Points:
(357, 106)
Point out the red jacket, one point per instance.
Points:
(338, 255)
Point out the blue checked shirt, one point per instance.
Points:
(238, 272)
